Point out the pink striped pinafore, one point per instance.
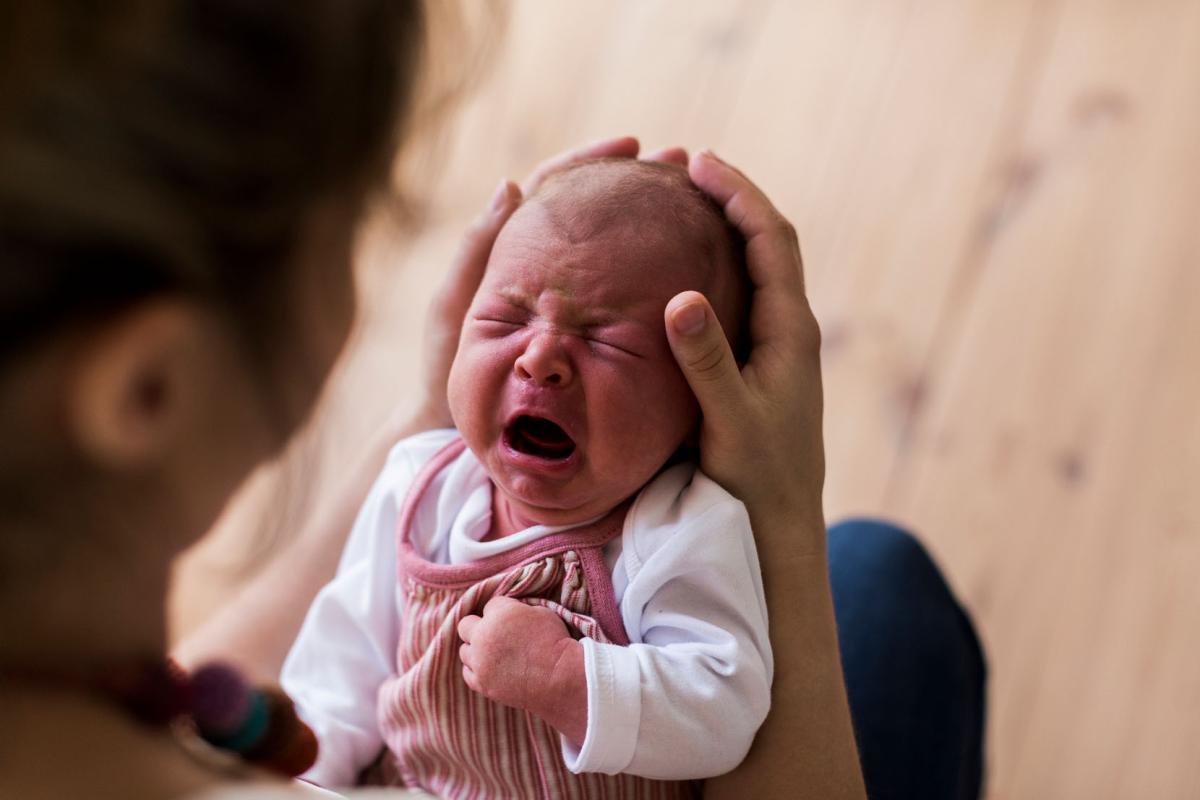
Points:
(445, 738)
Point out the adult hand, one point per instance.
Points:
(761, 439)
(450, 304)
(761, 433)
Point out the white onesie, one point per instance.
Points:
(682, 701)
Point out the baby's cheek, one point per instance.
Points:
(475, 380)
(673, 397)
(652, 416)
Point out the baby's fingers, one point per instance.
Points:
(499, 605)
(471, 679)
(466, 627)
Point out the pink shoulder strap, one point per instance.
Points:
(588, 541)
(441, 459)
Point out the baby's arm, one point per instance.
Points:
(686, 698)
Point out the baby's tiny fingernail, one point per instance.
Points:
(708, 153)
(690, 319)
(500, 198)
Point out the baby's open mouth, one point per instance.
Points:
(539, 437)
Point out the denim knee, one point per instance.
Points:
(881, 572)
(915, 672)
(886, 554)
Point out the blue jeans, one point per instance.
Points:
(914, 669)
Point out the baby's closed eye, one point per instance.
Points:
(499, 321)
(509, 323)
(615, 338)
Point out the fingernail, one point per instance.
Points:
(500, 198)
(690, 319)
(707, 153)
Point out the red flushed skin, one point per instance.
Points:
(571, 329)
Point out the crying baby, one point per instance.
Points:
(552, 600)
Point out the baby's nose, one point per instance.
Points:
(544, 362)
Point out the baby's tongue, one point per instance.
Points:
(545, 437)
(544, 433)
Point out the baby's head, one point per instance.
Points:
(564, 385)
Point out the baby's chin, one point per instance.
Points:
(542, 505)
(548, 509)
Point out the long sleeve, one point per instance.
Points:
(685, 699)
(346, 647)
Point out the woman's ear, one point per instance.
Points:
(136, 381)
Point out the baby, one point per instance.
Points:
(551, 601)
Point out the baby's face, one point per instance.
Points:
(564, 386)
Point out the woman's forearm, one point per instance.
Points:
(806, 747)
(256, 628)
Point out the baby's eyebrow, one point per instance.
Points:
(596, 319)
(512, 295)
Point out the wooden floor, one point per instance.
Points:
(999, 203)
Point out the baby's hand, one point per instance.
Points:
(522, 656)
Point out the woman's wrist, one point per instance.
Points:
(787, 527)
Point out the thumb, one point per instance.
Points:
(702, 352)
(467, 268)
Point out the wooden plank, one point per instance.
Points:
(869, 123)
(1051, 467)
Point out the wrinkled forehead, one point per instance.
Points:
(623, 233)
(588, 249)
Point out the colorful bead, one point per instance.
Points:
(250, 732)
(281, 726)
(220, 700)
(261, 725)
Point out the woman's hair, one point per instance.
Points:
(179, 146)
